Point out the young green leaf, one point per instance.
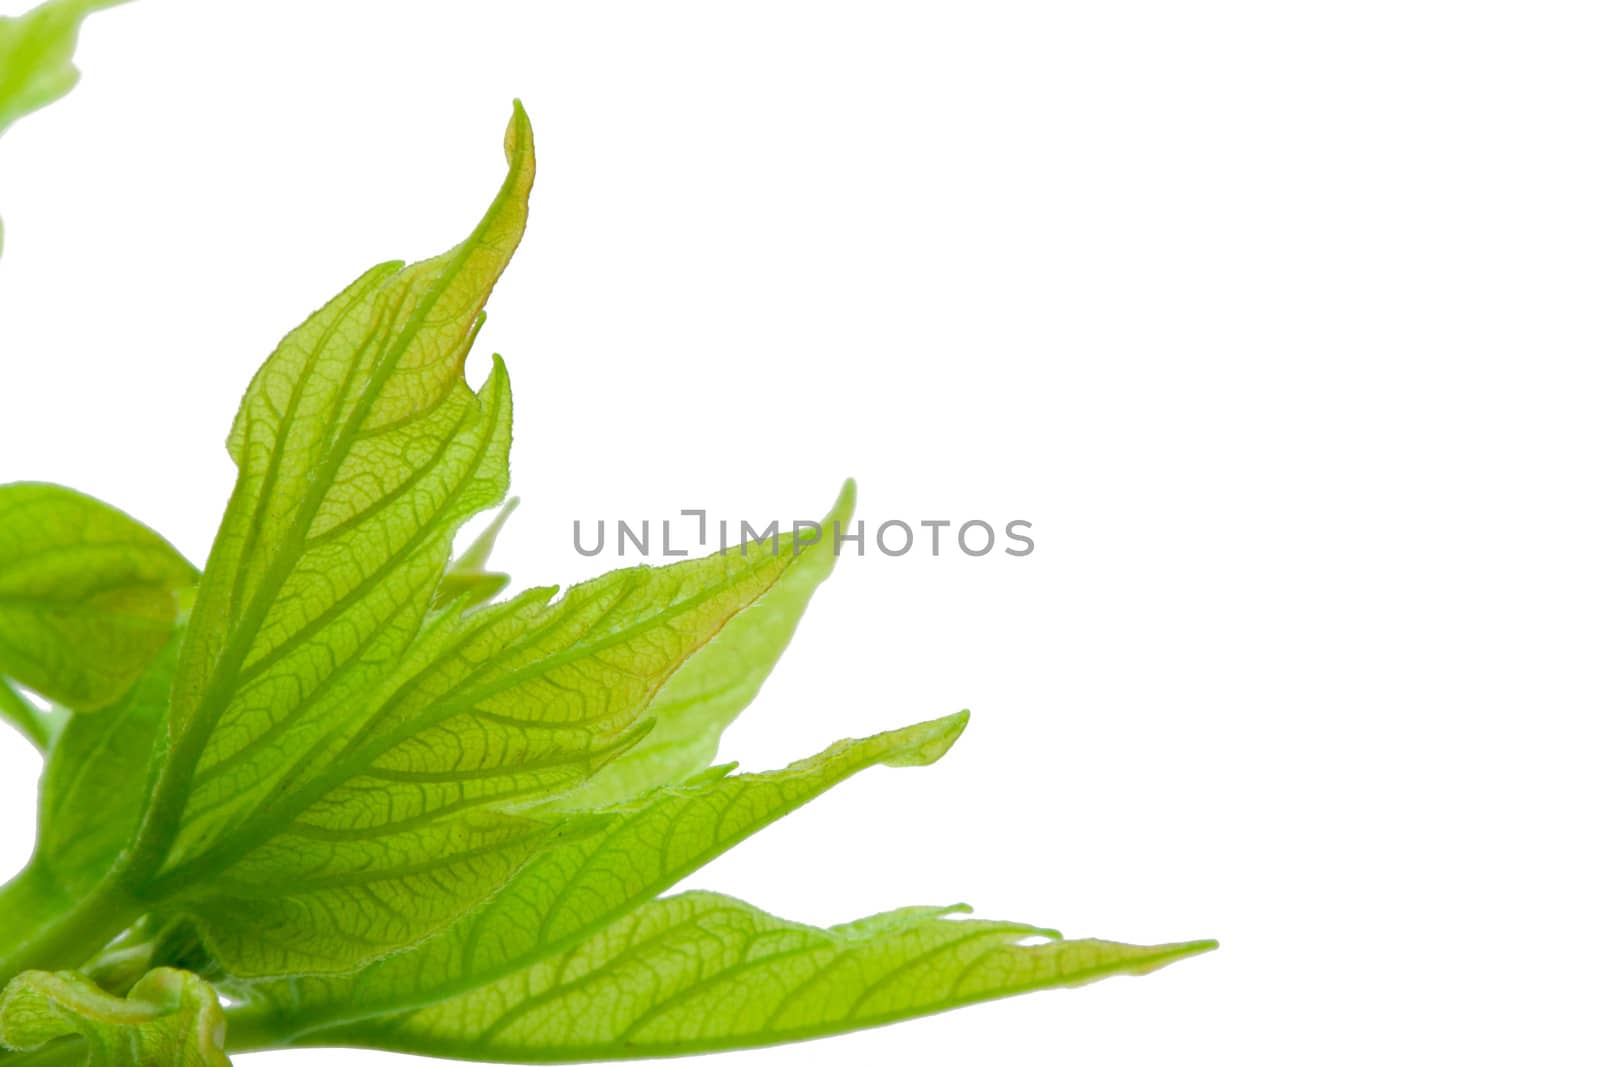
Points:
(361, 449)
(702, 972)
(36, 56)
(569, 893)
(88, 596)
(170, 1018)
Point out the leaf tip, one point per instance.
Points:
(1162, 955)
(519, 139)
(844, 506)
(497, 368)
(929, 741)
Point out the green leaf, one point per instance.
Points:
(361, 450)
(97, 778)
(36, 55)
(702, 972)
(569, 893)
(720, 680)
(88, 596)
(170, 1018)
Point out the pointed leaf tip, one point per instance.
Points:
(845, 506)
(519, 138)
(1164, 955)
(936, 736)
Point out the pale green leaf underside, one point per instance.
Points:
(88, 596)
(569, 893)
(702, 972)
(170, 1018)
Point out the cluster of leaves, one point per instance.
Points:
(333, 778)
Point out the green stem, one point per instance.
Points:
(46, 929)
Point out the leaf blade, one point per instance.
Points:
(361, 450)
(88, 596)
(702, 972)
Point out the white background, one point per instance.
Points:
(1278, 321)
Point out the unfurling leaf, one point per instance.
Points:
(170, 1018)
(88, 596)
